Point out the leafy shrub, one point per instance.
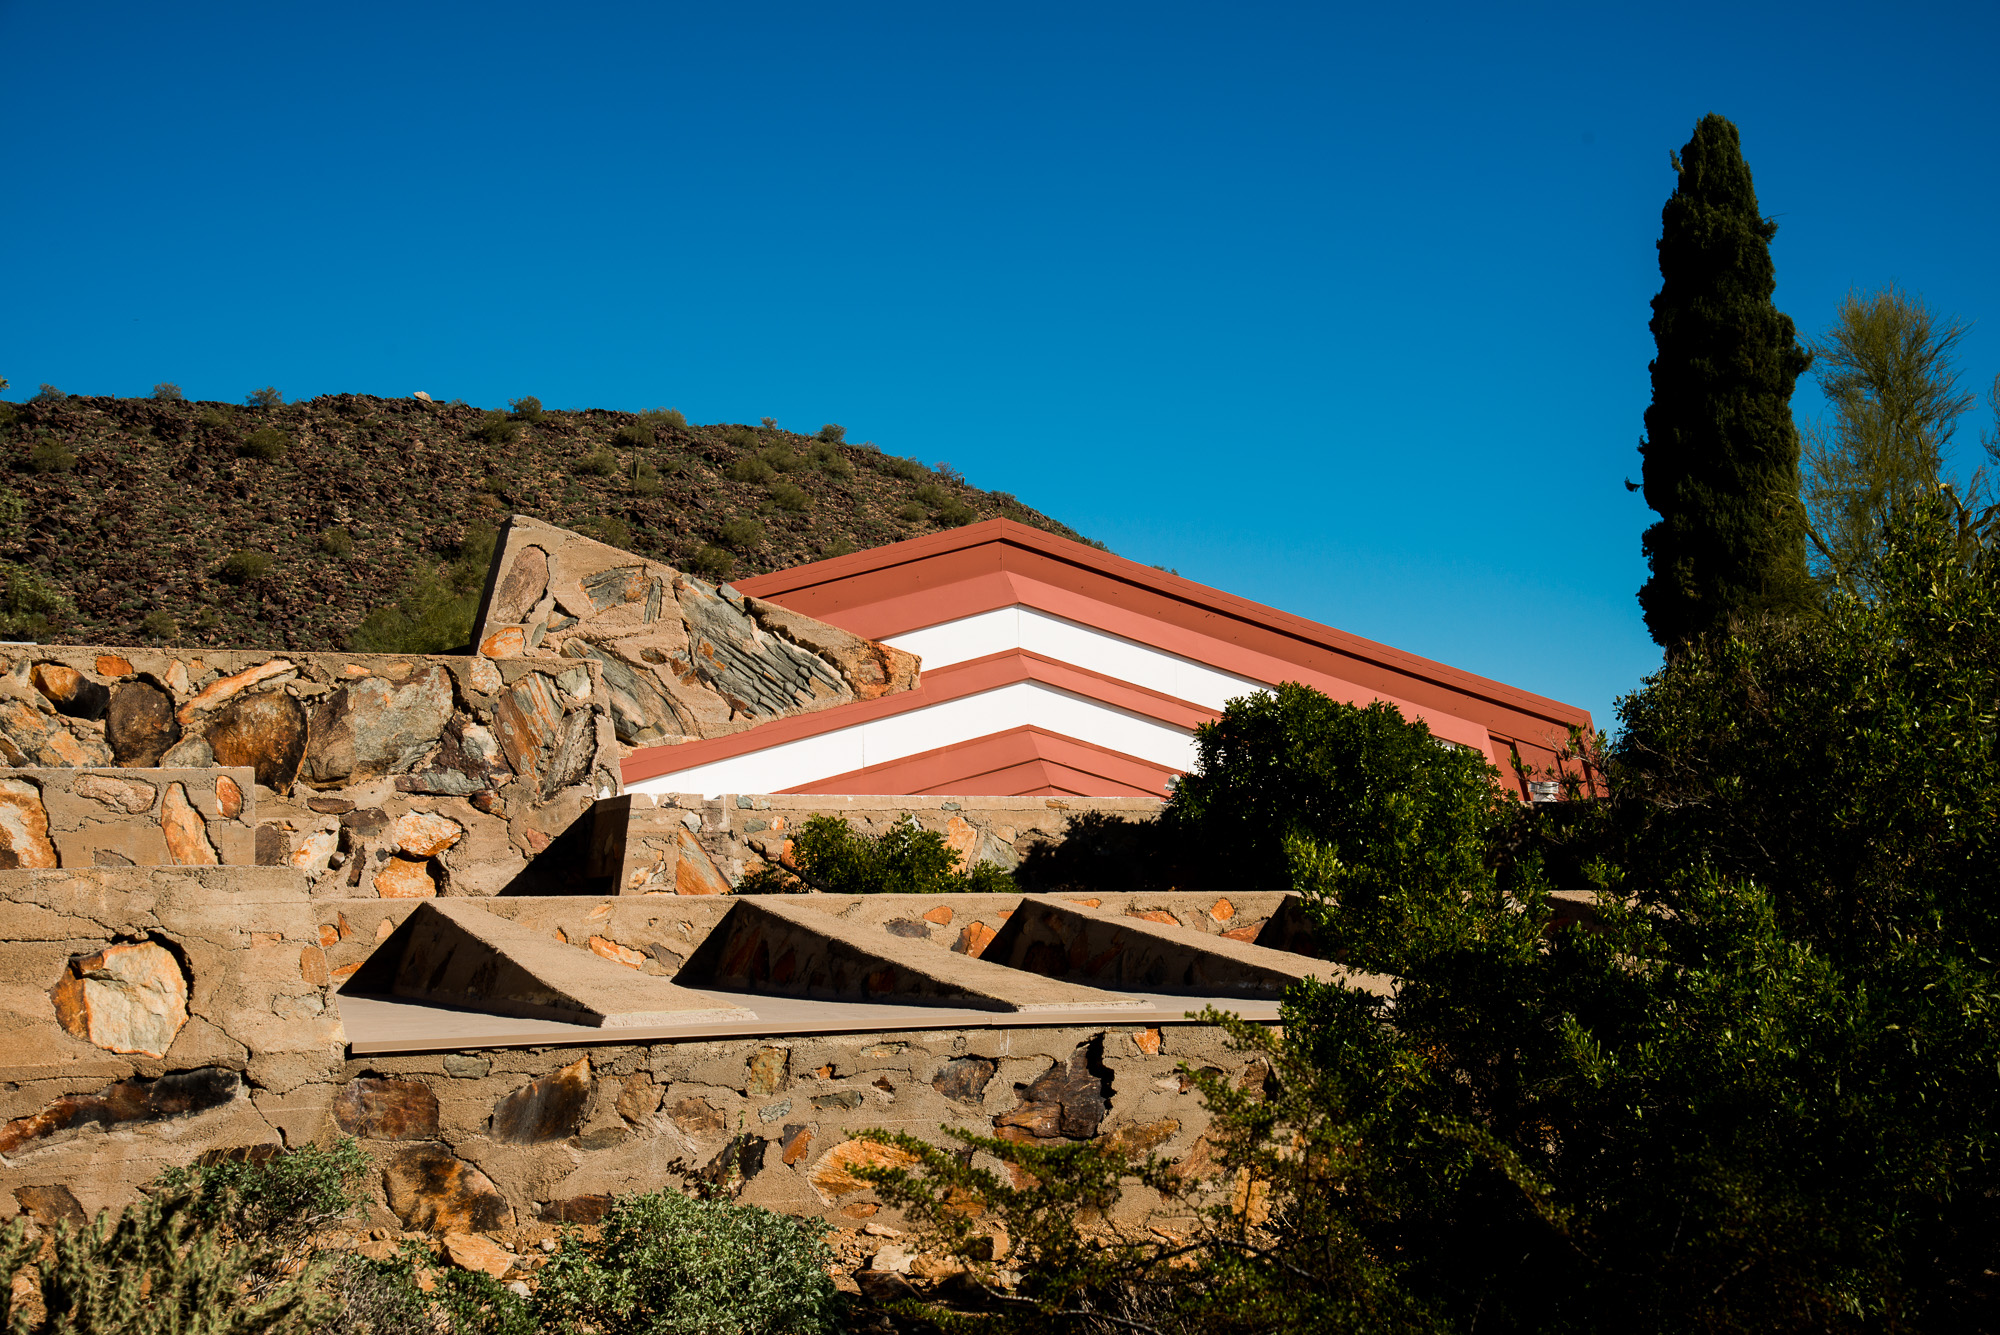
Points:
(433, 611)
(828, 459)
(712, 563)
(907, 469)
(645, 479)
(751, 468)
(528, 408)
(829, 854)
(217, 418)
(159, 625)
(636, 435)
(29, 604)
(911, 513)
(496, 428)
(832, 433)
(276, 1204)
(669, 1264)
(336, 542)
(243, 567)
(740, 532)
(49, 395)
(51, 456)
(666, 417)
(955, 513)
(770, 423)
(790, 497)
(266, 443)
(950, 474)
(836, 546)
(600, 462)
(267, 397)
(930, 495)
(8, 414)
(743, 437)
(167, 392)
(609, 529)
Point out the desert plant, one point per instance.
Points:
(780, 456)
(955, 513)
(266, 443)
(528, 408)
(666, 417)
(834, 546)
(275, 1204)
(828, 459)
(336, 542)
(244, 567)
(635, 435)
(668, 1264)
(433, 610)
(158, 625)
(930, 495)
(50, 456)
(218, 418)
(600, 462)
(49, 394)
(751, 468)
(740, 532)
(496, 428)
(167, 392)
(712, 563)
(743, 437)
(609, 529)
(832, 856)
(28, 602)
(911, 512)
(267, 397)
(950, 474)
(789, 497)
(907, 469)
(645, 479)
(770, 423)
(833, 433)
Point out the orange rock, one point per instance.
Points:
(860, 1209)
(695, 874)
(973, 939)
(128, 998)
(961, 838)
(1147, 1041)
(132, 796)
(186, 831)
(1087, 903)
(1249, 932)
(470, 1251)
(940, 915)
(1137, 1139)
(1154, 915)
(312, 966)
(228, 796)
(24, 826)
(57, 682)
(345, 972)
(266, 938)
(616, 953)
(223, 688)
(507, 642)
(403, 878)
(834, 1174)
(422, 834)
(314, 850)
(111, 665)
(329, 935)
(1223, 911)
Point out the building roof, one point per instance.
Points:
(1051, 666)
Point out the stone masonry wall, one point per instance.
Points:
(684, 843)
(119, 818)
(681, 658)
(373, 774)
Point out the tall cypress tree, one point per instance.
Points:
(1721, 452)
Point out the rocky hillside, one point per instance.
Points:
(286, 525)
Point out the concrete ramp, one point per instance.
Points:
(453, 954)
(766, 944)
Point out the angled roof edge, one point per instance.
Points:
(1016, 762)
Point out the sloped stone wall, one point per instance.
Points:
(681, 658)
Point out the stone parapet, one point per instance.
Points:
(127, 818)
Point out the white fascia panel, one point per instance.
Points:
(810, 759)
(1079, 645)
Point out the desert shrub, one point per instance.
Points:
(433, 610)
(770, 423)
(787, 496)
(834, 546)
(950, 474)
(955, 513)
(832, 433)
(645, 479)
(751, 468)
(412, 1293)
(911, 512)
(712, 563)
(159, 625)
(266, 443)
(828, 459)
(669, 1264)
(267, 397)
(49, 395)
(243, 567)
(528, 408)
(600, 462)
(336, 542)
(50, 456)
(274, 1204)
(153, 1269)
(608, 529)
(907, 469)
(743, 437)
(930, 495)
(740, 532)
(167, 392)
(666, 417)
(495, 428)
(634, 435)
(8, 414)
(830, 855)
(218, 418)
(29, 604)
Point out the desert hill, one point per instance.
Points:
(288, 525)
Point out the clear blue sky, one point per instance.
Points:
(1333, 308)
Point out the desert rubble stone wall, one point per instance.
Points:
(122, 818)
(372, 773)
(681, 658)
(685, 843)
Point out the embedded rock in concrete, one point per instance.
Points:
(130, 998)
(134, 797)
(1067, 1102)
(696, 1118)
(834, 1176)
(228, 797)
(759, 674)
(550, 1108)
(694, 874)
(422, 834)
(432, 1190)
(376, 726)
(794, 1144)
(225, 689)
(186, 832)
(1139, 1138)
(377, 1109)
(405, 878)
(964, 1079)
(470, 1251)
(24, 827)
(637, 705)
(468, 761)
(265, 731)
(72, 693)
(140, 724)
(539, 742)
(51, 1205)
(639, 1098)
(31, 736)
(872, 670)
(769, 1073)
(527, 579)
(178, 1094)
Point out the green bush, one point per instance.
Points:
(243, 567)
(600, 462)
(740, 533)
(645, 479)
(830, 855)
(669, 1264)
(713, 564)
(907, 469)
(433, 610)
(266, 443)
(159, 625)
(911, 513)
(29, 604)
(789, 497)
(955, 513)
(8, 414)
(666, 417)
(609, 529)
(217, 418)
(743, 437)
(495, 428)
(634, 435)
(832, 433)
(267, 397)
(336, 542)
(528, 408)
(828, 459)
(930, 495)
(834, 546)
(49, 395)
(277, 1205)
(51, 456)
(167, 392)
(751, 468)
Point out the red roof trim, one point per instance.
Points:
(1014, 763)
